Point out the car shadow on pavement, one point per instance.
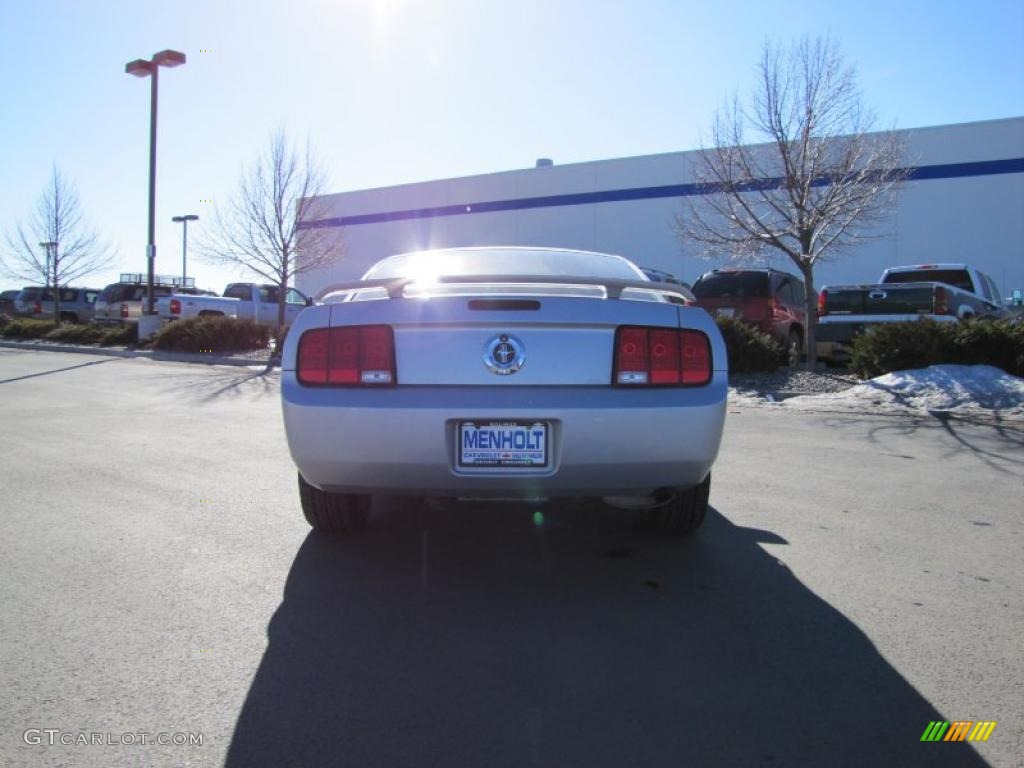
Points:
(491, 635)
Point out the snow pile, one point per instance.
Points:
(957, 388)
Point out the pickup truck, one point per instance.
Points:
(252, 300)
(942, 292)
(123, 302)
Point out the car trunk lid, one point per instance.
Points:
(466, 340)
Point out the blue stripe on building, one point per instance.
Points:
(920, 173)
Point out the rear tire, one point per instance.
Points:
(683, 513)
(342, 514)
(68, 317)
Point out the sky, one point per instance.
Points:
(396, 91)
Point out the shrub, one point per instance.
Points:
(5, 320)
(212, 334)
(119, 335)
(987, 342)
(76, 334)
(749, 350)
(919, 343)
(27, 329)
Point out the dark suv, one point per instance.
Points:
(76, 304)
(770, 300)
(7, 302)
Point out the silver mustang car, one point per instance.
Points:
(504, 372)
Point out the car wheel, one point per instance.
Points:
(210, 313)
(68, 317)
(683, 513)
(338, 513)
(794, 347)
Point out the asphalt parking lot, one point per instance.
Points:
(857, 578)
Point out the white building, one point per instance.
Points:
(965, 203)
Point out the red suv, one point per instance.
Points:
(770, 300)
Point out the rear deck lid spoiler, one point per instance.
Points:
(613, 287)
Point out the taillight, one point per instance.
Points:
(37, 308)
(822, 311)
(175, 307)
(661, 357)
(124, 310)
(941, 301)
(352, 356)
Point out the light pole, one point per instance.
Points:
(151, 68)
(184, 220)
(48, 246)
(51, 248)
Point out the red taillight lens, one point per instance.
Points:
(344, 349)
(663, 348)
(376, 354)
(313, 358)
(124, 310)
(822, 310)
(37, 308)
(347, 357)
(631, 356)
(696, 358)
(661, 357)
(941, 301)
(175, 307)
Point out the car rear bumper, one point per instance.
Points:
(604, 441)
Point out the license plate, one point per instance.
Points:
(726, 312)
(502, 444)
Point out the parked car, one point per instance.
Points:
(7, 302)
(255, 301)
(124, 301)
(943, 292)
(504, 372)
(77, 305)
(769, 299)
(658, 276)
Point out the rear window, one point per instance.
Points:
(115, 293)
(732, 285)
(31, 294)
(241, 291)
(959, 278)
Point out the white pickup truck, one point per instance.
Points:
(252, 300)
(942, 292)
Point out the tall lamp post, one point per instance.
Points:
(184, 220)
(151, 68)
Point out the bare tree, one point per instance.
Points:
(54, 245)
(259, 231)
(820, 183)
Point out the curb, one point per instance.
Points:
(171, 357)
